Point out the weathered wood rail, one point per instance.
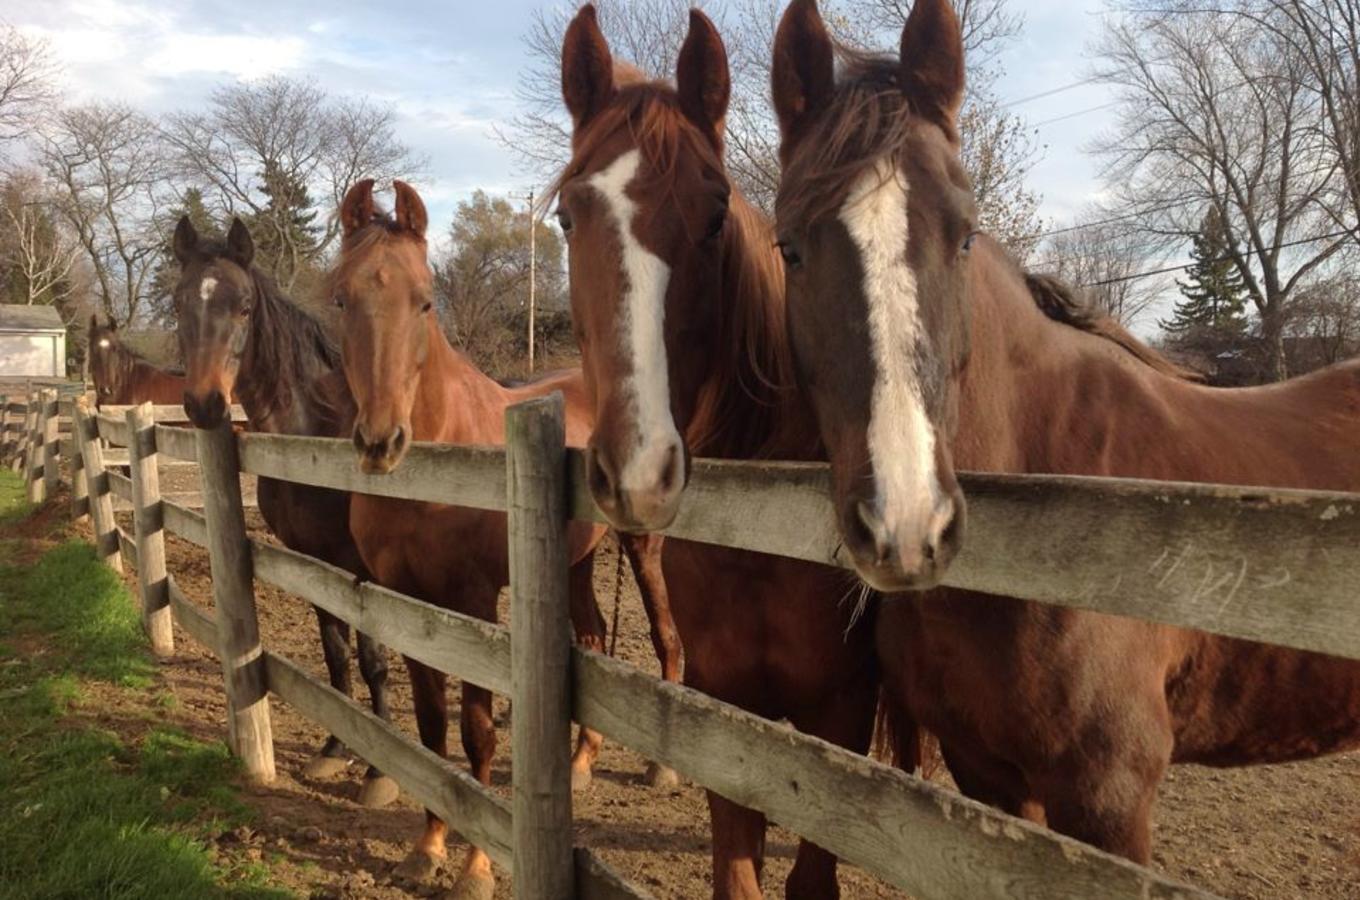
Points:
(1267, 565)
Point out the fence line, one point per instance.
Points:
(911, 833)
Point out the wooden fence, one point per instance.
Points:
(1266, 565)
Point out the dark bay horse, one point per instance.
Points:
(925, 347)
(241, 336)
(678, 299)
(410, 384)
(122, 377)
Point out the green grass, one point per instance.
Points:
(84, 813)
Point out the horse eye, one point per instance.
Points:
(715, 224)
(791, 257)
(339, 301)
(427, 307)
(564, 220)
(969, 241)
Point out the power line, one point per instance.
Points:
(1350, 232)
(1072, 115)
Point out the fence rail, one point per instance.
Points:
(1261, 564)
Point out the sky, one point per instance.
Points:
(450, 67)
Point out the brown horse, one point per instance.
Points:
(923, 346)
(411, 385)
(678, 299)
(122, 377)
(241, 336)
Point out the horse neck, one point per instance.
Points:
(749, 406)
(455, 401)
(276, 401)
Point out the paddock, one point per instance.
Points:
(1264, 565)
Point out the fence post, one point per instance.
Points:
(51, 451)
(149, 528)
(33, 462)
(4, 426)
(80, 486)
(100, 499)
(238, 628)
(540, 649)
(18, 430)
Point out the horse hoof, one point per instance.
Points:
(378, 791)
(474, 887)
(580, 780)
(323, 767)
(419, 867)
(661, 777)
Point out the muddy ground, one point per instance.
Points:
(1289, 831)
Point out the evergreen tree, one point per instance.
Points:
(1215, 295)
(286, 231)
(166, 274)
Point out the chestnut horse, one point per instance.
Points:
(923, 347)
(409, 385)
(678, 298)
(122, 377)
(240, 335)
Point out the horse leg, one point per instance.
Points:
(475, 881)
(644, 555)
(1006, 794)
(590, 633)
(379, 789)
(432, 721)
(847, 720)
(333, 758)
(738, 849)
(1109, 807)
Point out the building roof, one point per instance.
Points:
(15, 317)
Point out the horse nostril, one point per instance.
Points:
(867, 527)
(399, 439)
(598, 476)
(671, 470)
(359, 443)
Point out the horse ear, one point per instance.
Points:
(356, 210)
(803, 72)
(94, 322)
(587, 68)
(702, 77)
(240, 244)
(185, 241)
(932, 62)
(410, 212)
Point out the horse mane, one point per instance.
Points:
(867, 121)
(290, 348)
(738, 410)
(1062, 303)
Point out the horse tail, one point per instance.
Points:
(899, 742)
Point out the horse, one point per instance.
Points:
(410, 384)
(677, 296)
(924, 347)
(123, 377)
(241, 336)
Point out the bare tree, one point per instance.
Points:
(281, 153)
(1103, 258)
(998, 149)
(1213, 115)
(107, 165)
(40, 255)
(27, 83)
(1324, 323)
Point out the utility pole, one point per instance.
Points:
(533, 270)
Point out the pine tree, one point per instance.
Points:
(1215, 294)
(166, 275)
(285, 231)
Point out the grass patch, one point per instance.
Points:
(84, 813)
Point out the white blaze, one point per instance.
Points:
(642, 317)
(901, 439)
(104, 342)
(206, 288)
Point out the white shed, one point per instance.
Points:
(32, 342)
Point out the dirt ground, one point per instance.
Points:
(1289, 831)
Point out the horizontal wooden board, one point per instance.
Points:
(468, 806)
(120, 485)
(197, 622)
(437, 473)
(176, 442)
(1276, 566)
(187, 523)
(128, 545)
(922, 838)
(468, 648)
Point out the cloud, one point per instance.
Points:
(237, 55)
